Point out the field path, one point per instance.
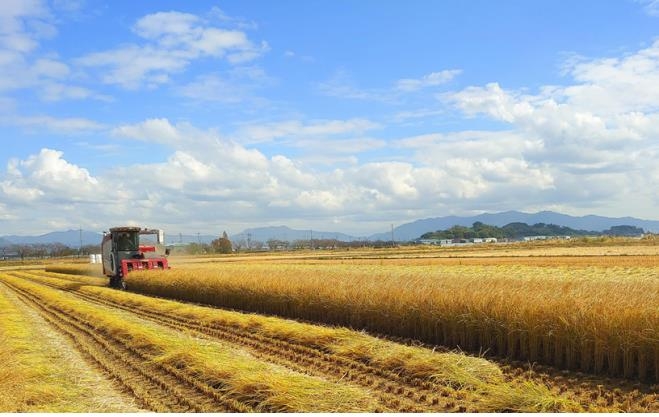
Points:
(101, 393)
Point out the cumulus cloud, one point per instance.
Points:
(587, 145)
(209, 179)
(47, 176)
(591, 137)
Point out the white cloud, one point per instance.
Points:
(431, 80)
(50, 68)
(54, 91)
(48, 168)
(135, 66)
(475, 145)
(292, 172)
(23, 23)
(68, 6)
(48, 77)
(650, 7)
(23, 65)
(341, 85)
(297, 129)
(206, 174)
(167, 27)
(208, 181)
(48, 177)
(171, 41)
(590, 142)
(53, 124)
(235, 86)
(150, 130)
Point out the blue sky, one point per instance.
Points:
(333, 115)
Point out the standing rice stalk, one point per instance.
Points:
(590, 318)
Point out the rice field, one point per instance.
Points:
(178, 357)
(595, 314)
(394, 331)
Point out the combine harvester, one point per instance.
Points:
(122, 251)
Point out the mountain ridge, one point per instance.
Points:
(415, 229)
(405, 232)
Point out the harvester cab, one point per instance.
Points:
(126, 249)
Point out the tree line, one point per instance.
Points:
(518, 230)
(45, 250)
(224, 245)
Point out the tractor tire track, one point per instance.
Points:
(159, 388)
(396, 392)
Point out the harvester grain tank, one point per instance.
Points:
(128, 248)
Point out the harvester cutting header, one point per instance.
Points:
(123, 250)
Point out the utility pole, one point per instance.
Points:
(392, 235)
(311, 240)
(198, 238)
(80, 247)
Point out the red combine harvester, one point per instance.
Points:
(122, 250)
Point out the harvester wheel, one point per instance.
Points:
(118, 283)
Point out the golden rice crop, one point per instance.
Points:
(446, 367)
(594, 319)
(453, 369)
(248, 379)
(94, 270)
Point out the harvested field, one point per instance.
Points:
(42, 373)
(564, 328)
(171, 356)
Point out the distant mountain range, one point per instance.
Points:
(179, 238)
(413, 230)
(264, 234)
(402, 233)
(70, 238)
